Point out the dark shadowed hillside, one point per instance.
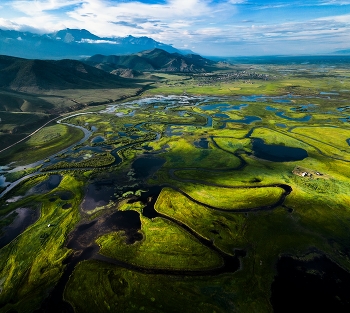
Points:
(153, 60)
(35, 75)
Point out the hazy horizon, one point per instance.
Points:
(212, 28)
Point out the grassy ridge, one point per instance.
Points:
(164, 245)
(237, 198)
(225, 229)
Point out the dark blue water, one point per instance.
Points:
(209, 107)
(268, 108)
(24, 218)
(277, 153)
(202, 143)
(51, 183)
(281, 101)
(281, 125)
(98, 139)
(233, 107)
(343, 108)
(146, 166)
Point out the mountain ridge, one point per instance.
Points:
(73, 44)
(153, 60)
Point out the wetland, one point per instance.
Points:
(191, 197)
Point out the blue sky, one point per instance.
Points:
(222, 28)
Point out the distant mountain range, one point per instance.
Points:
(38, 75)
(73, 44)
(152, 61)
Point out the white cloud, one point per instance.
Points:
(38, 6)
(199, 23)
(98, 41)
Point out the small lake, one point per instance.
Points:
(44, 187)
(146, 166)
(98, 194)
(277, 153)
(202, 143)
(24, 218)
(98, 139)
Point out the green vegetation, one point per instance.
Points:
(32, 263)
(42, 144)
(103, 159)
(225, 229)
(212, 197)
(129, 291)
(233, 198)
(164, 245)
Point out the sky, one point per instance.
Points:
(211, 28)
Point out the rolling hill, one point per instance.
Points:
(153, 60)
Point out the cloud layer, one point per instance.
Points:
(229, 27)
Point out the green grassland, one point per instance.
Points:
(32, 263)
(116, 289)
(164, 245)
(42, 144)
(233, 198)
(222, 193)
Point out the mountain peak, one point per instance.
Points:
(73, 44)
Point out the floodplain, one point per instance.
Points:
(198, 196)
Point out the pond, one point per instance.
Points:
(277, 153)
(98, 194)
(51, 183)
(202, 143)
(24, 218)
(146, 166)
(98, 139)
